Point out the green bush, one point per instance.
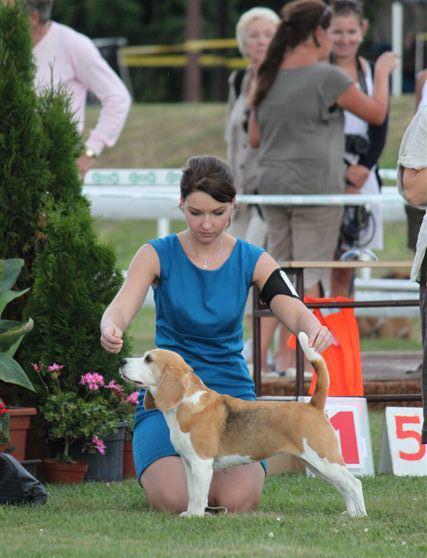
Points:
(24, 172)
(46, 220)
(75, 281)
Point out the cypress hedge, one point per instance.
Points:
(45, 218)
(25, 176)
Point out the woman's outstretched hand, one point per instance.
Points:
(321, 338)
(112, 339)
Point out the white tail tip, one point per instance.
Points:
(310, 353)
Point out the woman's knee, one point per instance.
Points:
(164, 499)
(240, 492)
(236, 500)
(164, 485)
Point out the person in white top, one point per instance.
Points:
(361, 227)
(421, 90)
(64, 56)
(415, 215)
(412, 185)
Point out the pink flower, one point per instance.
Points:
(133, 398)
(98, 444)
(37, 367)
(3, 409)
(114, 386)
(55, 367)
(92, 380)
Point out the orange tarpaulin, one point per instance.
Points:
(343, 360)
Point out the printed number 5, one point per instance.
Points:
(401, 434)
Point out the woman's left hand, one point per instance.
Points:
(321, 338)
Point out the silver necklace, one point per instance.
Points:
(205, 262)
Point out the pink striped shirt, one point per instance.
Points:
(70, 58)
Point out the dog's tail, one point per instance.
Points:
(322, 381)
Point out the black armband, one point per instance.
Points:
(277, 283)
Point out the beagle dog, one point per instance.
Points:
(212, 431)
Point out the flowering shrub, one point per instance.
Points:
(88, 414)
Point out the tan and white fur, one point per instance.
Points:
(212, 431)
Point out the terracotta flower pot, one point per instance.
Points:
(128, 464)
(20, 418)
(64, 473)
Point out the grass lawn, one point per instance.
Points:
(298, 517)
(165, 135)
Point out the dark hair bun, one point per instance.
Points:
(206, 173)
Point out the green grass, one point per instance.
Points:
(303, 514)
(298, 517)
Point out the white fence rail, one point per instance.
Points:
(118, 194)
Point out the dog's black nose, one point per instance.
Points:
(123, 362)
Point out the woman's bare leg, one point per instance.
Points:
(238, 489)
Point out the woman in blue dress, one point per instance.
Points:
(201, 278)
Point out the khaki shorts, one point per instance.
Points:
(304, 233)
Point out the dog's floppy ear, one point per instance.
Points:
(170, 390)
(149, 403)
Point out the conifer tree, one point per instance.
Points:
(75, 281)
(24, 172)
(45, 218)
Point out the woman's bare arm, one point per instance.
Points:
(372, 109)
(292, 312)
(143, 270)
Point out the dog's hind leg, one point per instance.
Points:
(199, 476)
(337, 474)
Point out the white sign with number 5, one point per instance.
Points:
(401, 450)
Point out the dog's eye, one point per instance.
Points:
(148, 358)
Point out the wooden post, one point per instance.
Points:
(192, 69)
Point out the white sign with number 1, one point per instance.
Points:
(349, 417)
(401, 450)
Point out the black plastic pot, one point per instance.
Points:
(107, 467)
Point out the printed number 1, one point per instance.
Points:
(343, 422)
(401, 434)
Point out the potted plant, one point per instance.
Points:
(14, 422)
(82, 422)
(128, 462)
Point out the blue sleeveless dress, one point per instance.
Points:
(199, 314)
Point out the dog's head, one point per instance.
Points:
(162, 373)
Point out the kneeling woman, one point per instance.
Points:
(201, 278)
